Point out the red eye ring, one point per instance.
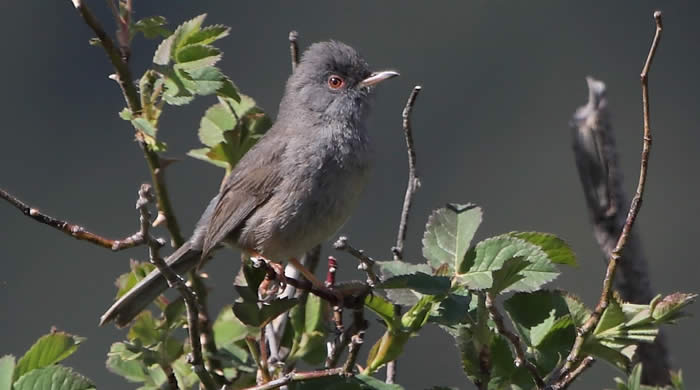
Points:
(335, 82)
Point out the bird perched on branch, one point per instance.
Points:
(294, 188)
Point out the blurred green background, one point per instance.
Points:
(501, 80)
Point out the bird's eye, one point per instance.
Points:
(335, 82)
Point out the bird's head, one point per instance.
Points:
(332, 80)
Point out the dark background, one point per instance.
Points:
(501, 80)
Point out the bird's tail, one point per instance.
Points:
(147, 290)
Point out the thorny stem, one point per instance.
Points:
(413, 181)
(520, 358)
(574, 364)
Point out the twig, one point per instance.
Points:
(573, 359)
(295, 377)
(359, 326)
(597, 163)
(175, 281)
(565, 381)
(131, 96)
(366, 262)
(413, 181)
(75, 231)
(294, 49)
(520, 358)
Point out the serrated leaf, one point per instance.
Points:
(611, 317)
(7, 367)
(509, 274)
(451, 311)
(420, 282)
(470, 355)
(202, 81)
(152, 27)
(492, 253)
(449, 233)
(144, 329)
(126, 114)
(55, 378)
(208, 35)
(556, 249)
(188, 29)
(197, 56)
(48, 350)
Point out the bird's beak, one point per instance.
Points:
(377, 77)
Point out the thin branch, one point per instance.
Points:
(366, 262)
(73, 230)
(520, 358)
(413, 181)
(359, 326)
(131, 96)
(573, 359)
(294, 49)
(294, 377)
(175, 281)
(565, 381)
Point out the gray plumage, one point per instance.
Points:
(298, 185)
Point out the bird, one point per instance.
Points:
(297, 185)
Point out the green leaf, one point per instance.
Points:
(383, 308)
(313, 317)
(395, 268)
(492, 253)
(386, 349)
(509, 274)
(227, 328)
(452, 310)
(668, 309)
(126, 114)
(197, 56)
(55, 378)
(556, 249)
(449, 233)
(534, 314)
(127, 281)
(208, 35)
(418, 315)
(420, 282)
(152, 27)
(48, 350)
(202, 81)
(144, 329)
(250, 314)
(216, 120)
(144, 126)
(125, 363)
(210, 156)
(7, 367)
(470, 355)
(634, 381)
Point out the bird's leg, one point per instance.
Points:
(275, 280)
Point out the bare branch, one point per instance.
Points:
(413, 181)
(175, 281)
(574, 359)
(359, 326)
(520, 358)
(366, 262)
(75, 231)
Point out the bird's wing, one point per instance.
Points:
(251, 183)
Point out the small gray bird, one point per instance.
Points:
(298, 185)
